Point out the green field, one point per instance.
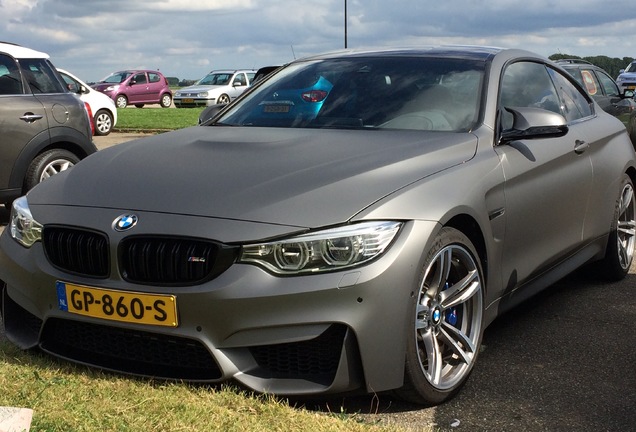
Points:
(65, 397)
(133, 119)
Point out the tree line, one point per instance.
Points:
(610, 65)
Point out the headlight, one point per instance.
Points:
(24, 229)
(203, 94)
(111, 88)
(326, 250)
(177, 94)
(619, 79)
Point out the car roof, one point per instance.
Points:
(18, 51)
(460, 51)
(231, 70)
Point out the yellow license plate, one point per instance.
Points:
(187, 100)
(123, 306)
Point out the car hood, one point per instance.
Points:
(628, 75)
(294, 177)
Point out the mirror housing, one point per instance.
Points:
(210, 112)
(533, 123)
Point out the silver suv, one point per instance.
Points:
(45, 129)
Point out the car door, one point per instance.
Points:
(239, 84)
(155, 86)
(611, 101)
(138, 88)
(547, 180)
(23, 118)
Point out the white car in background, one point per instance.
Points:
(103, 108)
(217, 87)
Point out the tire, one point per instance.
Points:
(223, 99)
(139, 105)
(621, 243)
(103, 122)
(121, 101)
(47, 164)
(445, 333)
(166, 100)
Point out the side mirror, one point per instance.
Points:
(210, 112)
(533, 123)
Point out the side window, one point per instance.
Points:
(608, 84)
(239, 79)
(575, 104)
(71, 84)
(40, 76)
(140, 78)
(590, 82)
(526, 84)
(153, 77)
(10, 83)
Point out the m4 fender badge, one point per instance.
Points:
(125, 222)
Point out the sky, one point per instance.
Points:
(188, 38)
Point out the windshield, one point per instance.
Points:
(631, 67)
(215, 79)
(117, 77)
(384, 92)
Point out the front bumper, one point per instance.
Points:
(193, 102)
(326, 333)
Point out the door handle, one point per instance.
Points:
(580, 146)
(30, 117)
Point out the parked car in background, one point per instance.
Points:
(627, 77)
(217, 87)
(44, 128)
(136, 87)
(360, 247)
(604, 90)
(103, 108)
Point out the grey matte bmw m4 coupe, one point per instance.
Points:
(351, 223)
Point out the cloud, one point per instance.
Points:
(187, 38)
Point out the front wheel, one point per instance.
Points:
(166, 100)
(446, 327)
(121, 101)
(103, 122)
(223, 99)
(620, 246)
(47, 164)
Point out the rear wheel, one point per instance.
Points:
(47, 164)
(446, 330)
(103, 122)
(620, 246)
(166, 100)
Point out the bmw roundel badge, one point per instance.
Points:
(125, 222)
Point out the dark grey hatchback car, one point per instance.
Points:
(45, 129)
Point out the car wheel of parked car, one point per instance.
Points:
(121, 101)
(621, 243)
(223, 99)
(47, 164)
(139, 105)
(103, 122)
(166, 100)
(445, 333)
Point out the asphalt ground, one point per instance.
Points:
(563, 361)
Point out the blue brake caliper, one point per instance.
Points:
(451, 314)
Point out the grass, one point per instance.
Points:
(65, 397)
(133, 119)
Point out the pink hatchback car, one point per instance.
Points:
(136, 87)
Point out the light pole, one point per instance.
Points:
(345, 23)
